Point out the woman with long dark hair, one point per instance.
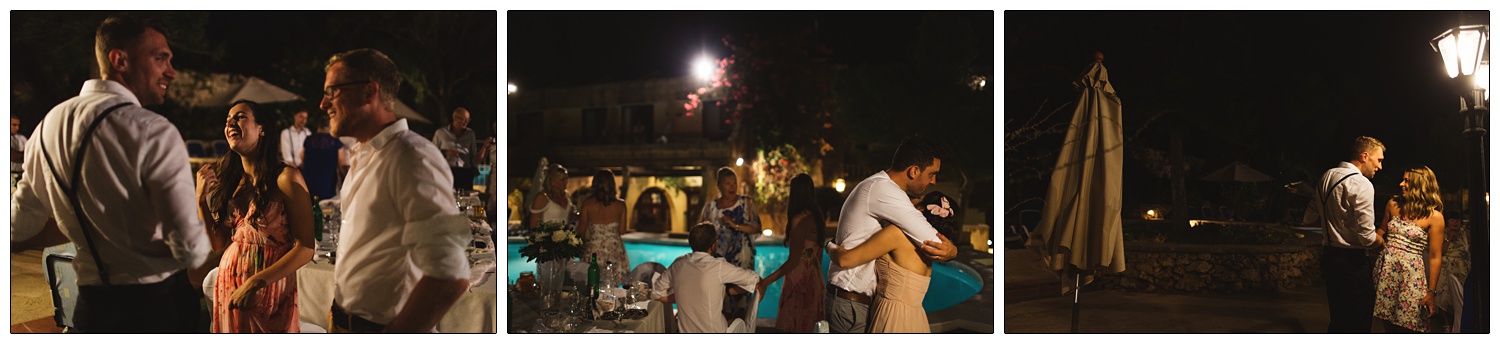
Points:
(601, 220)
(257, 210)
(802, 295)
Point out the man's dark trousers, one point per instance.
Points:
(1351, 291)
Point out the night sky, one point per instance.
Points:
(1283, 91)
(548, 48)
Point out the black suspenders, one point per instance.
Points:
(72, 192)
(1324, 203)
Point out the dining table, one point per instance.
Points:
(525, 316)
(474, 312)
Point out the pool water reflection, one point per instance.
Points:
(949, 285)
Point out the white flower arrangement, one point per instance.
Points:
(552, 240)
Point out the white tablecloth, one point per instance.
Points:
(523, 314)
(474, 312)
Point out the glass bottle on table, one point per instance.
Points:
(593, 280)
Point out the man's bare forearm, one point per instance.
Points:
(429, 300)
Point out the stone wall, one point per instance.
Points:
(1157, 267)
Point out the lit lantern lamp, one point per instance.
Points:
(838, 185)
(1463, 51)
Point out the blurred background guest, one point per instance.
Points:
(552, 204)
(735, 219)
(802, 295)
(601, 221)
(456, 141)
(291, 140)
(322, 158)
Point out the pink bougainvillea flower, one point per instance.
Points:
(702, 90)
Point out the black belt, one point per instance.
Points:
(351, 323)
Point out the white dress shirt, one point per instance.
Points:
(873, 204)
(1350, 208)
(137, 188)
(400, 223)
(462, 142)
(697, 279)
(291, 144)
(17, 143)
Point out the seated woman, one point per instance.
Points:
(245, 195)
(903, 273)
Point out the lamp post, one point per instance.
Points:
(1463, 48)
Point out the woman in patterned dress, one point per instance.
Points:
(735, 219)
(260, 209)
(1412, 254)
(601, 222)
(802, 295)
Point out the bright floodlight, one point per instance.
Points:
(703, 68)
(1462, 48)
(510, 88)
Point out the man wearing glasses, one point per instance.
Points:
(402, 260)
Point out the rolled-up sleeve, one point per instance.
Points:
(436, 243)
(889, 203)
(736, 275)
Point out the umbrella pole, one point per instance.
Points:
(1077, 284)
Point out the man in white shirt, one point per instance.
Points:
(880, 200)
(402, 260)
(17, 145)
(292, 138)
(696, 282)
(138, 234)
(1344, 206)
(457, 142)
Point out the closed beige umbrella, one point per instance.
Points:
(1079, 232)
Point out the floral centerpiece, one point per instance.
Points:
(552, 245)
(552, 241)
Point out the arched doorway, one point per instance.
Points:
(653, 212)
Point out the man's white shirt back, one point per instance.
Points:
(697, 280)
(1348, 215)
(137, 188)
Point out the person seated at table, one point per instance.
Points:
(697, 283)
(245, 195)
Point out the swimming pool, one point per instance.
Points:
(949, 285)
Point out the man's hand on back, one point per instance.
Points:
(941, 251)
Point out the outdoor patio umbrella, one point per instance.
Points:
(215, 89)
(1237, 172)
(1079, 232)
(403, 111)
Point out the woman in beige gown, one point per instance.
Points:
(902, 272)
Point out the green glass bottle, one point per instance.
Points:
(317, 219)
(594, 272)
